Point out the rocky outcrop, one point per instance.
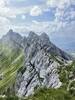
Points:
(41, 61)
(40, 66)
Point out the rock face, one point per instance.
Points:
(41, 62)
(40, 67)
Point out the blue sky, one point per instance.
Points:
(55, 17)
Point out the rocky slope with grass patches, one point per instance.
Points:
(42, 59)
(28, 63)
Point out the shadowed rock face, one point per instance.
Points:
(40, 65)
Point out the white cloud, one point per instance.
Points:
(2, 3)
(23, 17)
(48, 27)
(11, 12)
(34, 26)
(59, 3)
(7, 12)
(4, 20)
(35, 11)
(35, 22)
(4, 25)
(72, 14)
(52, 3)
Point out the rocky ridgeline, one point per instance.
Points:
(42, 59)
(40, 67)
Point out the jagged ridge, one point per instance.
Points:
(42, 59)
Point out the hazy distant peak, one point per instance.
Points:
(10, 31)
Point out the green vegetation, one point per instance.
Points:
(9, 98)
(45, 94)
(66, 91)
(51, 94)
(11, 60)
(67, 73)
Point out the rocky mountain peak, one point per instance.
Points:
(32, 37)
(40, 67)
(10, 31)
(45, 39)
(41, 62)
(32, 34)
(44, 36)
(42, 39)
(12, 39)
(13, 34)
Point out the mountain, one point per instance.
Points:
(31, 62)
(42, 59)
(11, 59)
(12, 39)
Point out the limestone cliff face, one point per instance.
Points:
(40, 66)
(41, 61)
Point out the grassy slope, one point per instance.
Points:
(10, 62)
(51, 94)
